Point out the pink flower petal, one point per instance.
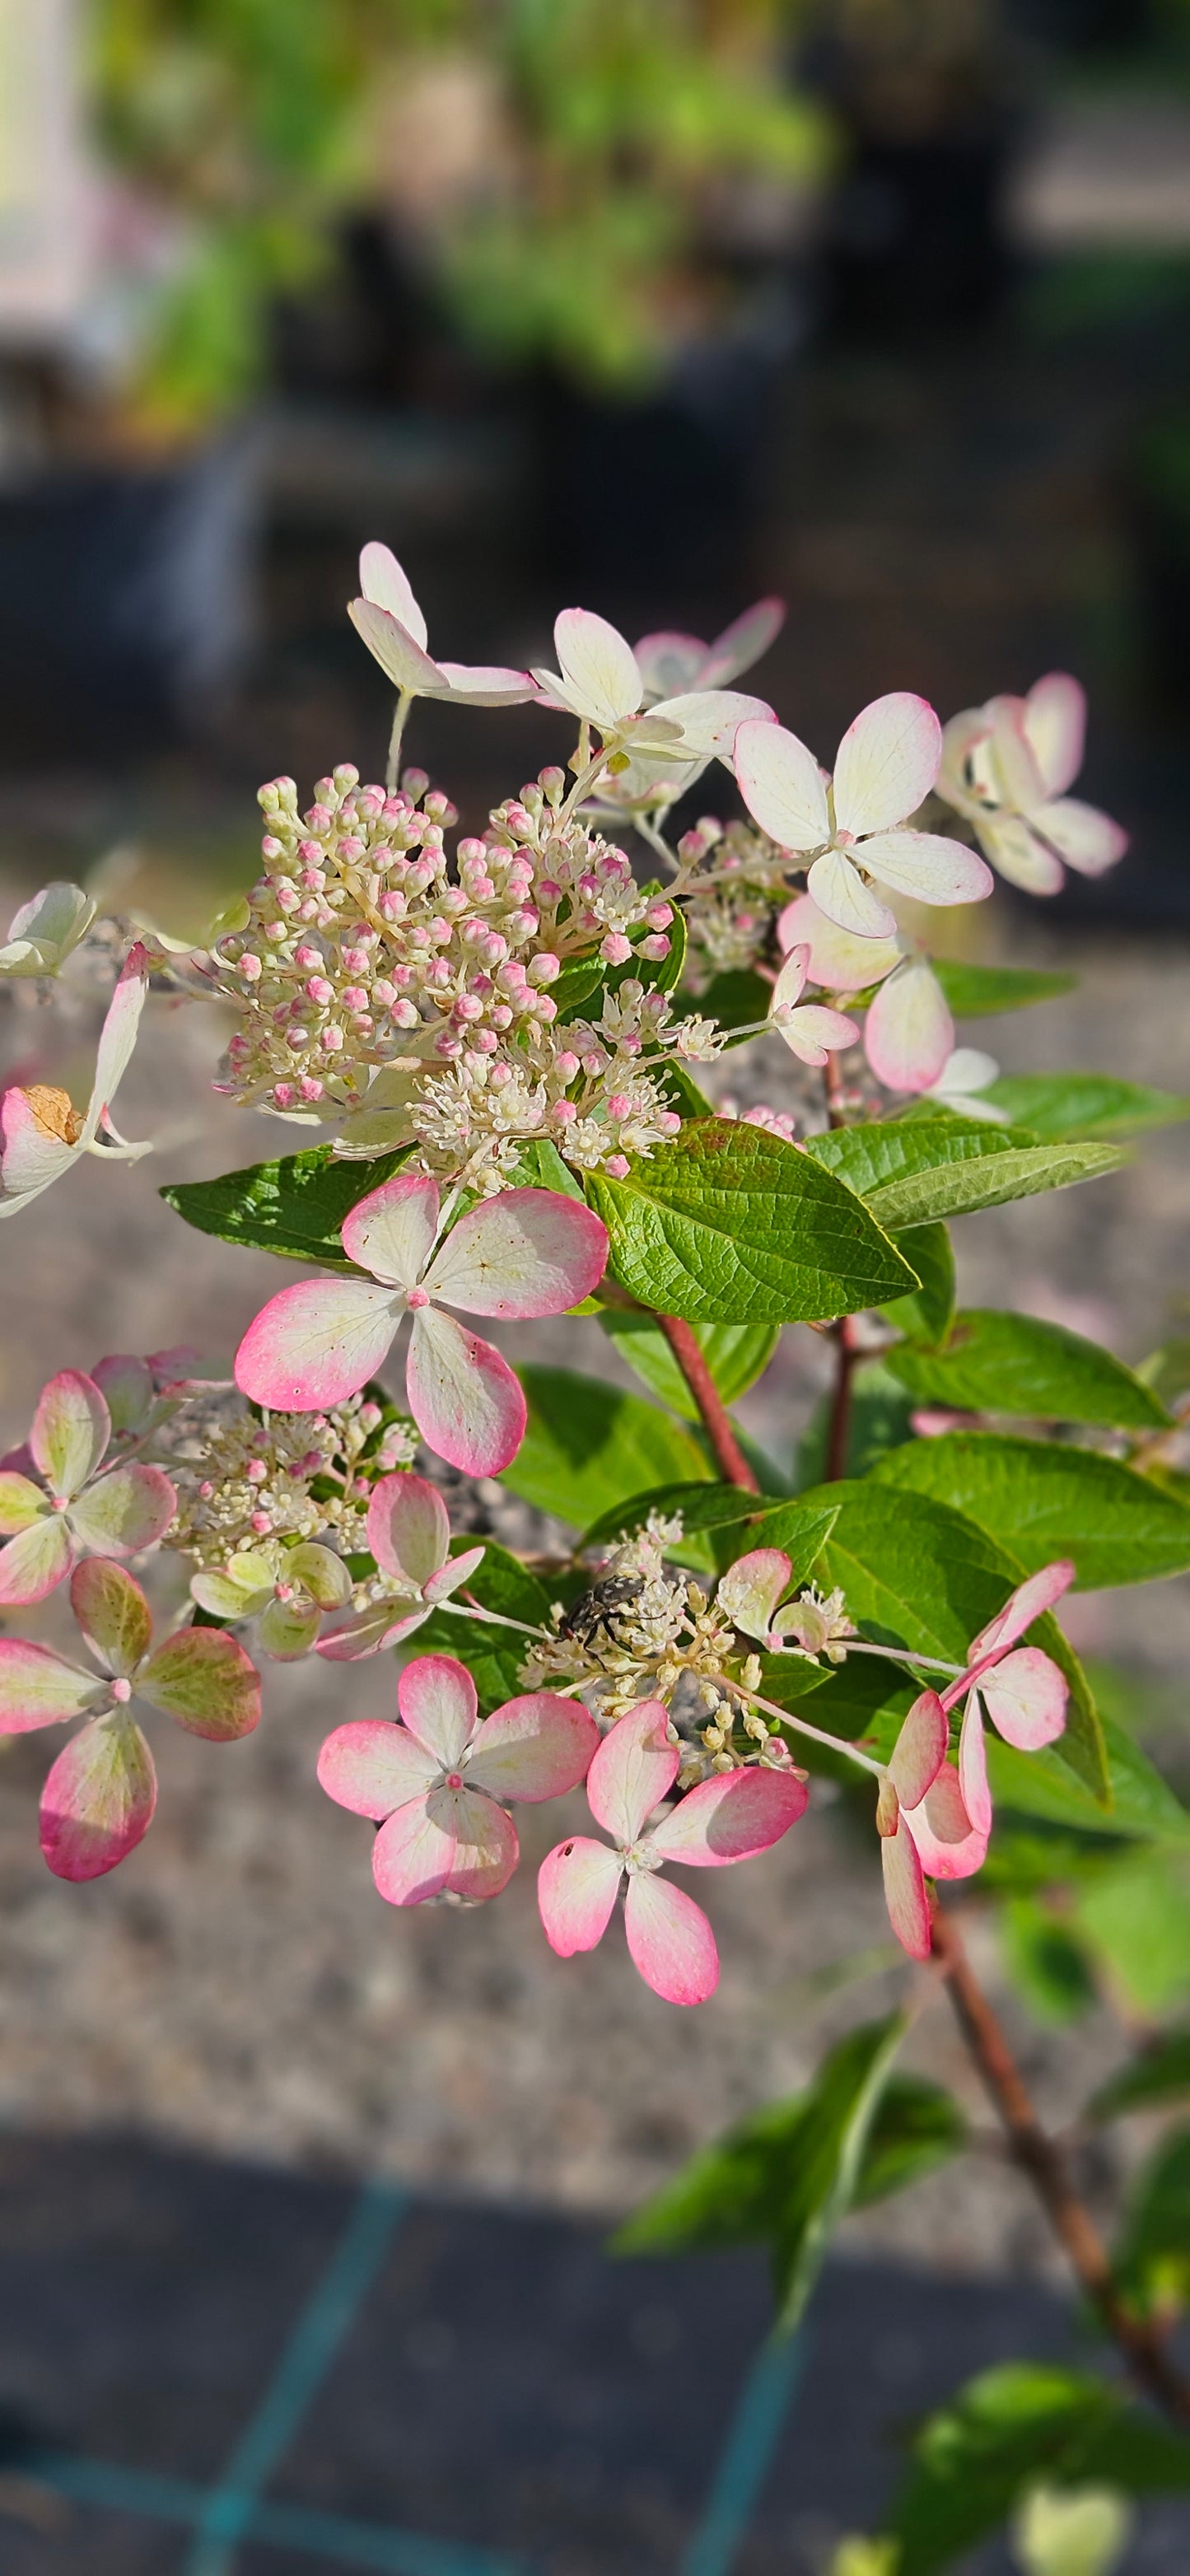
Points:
(782, 786)
(920, 1749)
(751, 1588)
(98, 1799)
(577, 1886)
(735, 650)
(126, 1385)
(34, 1562)
(128, 1509)
(408, 1527)
(316, 1344)
(1055, 720)
(887, 763)
(1008, 767)
(599, 667)
(973, 1768)
(203, 1678)
(400, 657)
(838, 890)
(39, 1688)
(391, 1232)
(948, 1845)
(71, 1430)
(525, 1253)
(925, 866)
(444, 1839)
(467, 1404)
(365, 1634)
(1085, 838)
(533, 1748)
(732, 1817)
(1020, 858)
(838, 960)
(21, 1503)
(905, 1891)
(437, 1699)
(374, 1767)
(487, 684)
(1025, 1697)
(1020, 1610)
(814, 1032)
(909, 1033)
(450, 1577)
(670, 1941)
(634, 1767)
(117, 1037)
(386, 583)
(113, 1614)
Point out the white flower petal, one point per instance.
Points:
(782, 786)
(1055, 723)
(888, 761)
(925, 866)
(839, 891)
(598, 666)
(386, 583)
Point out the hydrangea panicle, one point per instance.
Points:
(1007, 766)
(59, 1500)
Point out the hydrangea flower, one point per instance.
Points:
(963, 1078)
(44, 1135)
(749, 1594)
(670, 662)
(939, 1820)
(1007, 766)
(287, 1606)
(99, 1796)
(525, 1254)
(57, 1502)
(600, 681)
(409, 1535)
(730, 1818)
(45, 930)
(435, 1783)
(394, 629)
(908, 1029)
(809, 1029)
(854, 829)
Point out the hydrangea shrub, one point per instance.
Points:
(497, 1044)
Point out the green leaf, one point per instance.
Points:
(926, 1312)
(701, 1506)
(1003, 2431)
(1084, 1104)
(493, 1656)
(879, 1419)
(294, 1207)
(1152, 2257)
(1159, 2076)
(1045, 1500)
(1046, 1961)
(1137, 1916)
(1140, 1803)
(572, 989)
(735, 1000)
(729, 1224)
(588, 1447)
(1000, 1363)
(978, 992)
(539, 1166)
(912, 1171)
(917, 2126)
(927, 1578)
(790, 2174)
(736, 1354)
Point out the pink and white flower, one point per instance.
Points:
(669, 662)
(601, 683)
(730, 1818)
(908, 1030)
(810, 1030)
(394, 629)
(409, 1536)
(43, 1134)
(940, 1821)
(45, 930)
(525, 1254)
(436, 1782)
(99, 1796)
(287, 1606)
(57, 1503)
(1007, 766)
(854, 828)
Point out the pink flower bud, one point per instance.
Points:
(549, 890)
(501, 1016)
(545, 1008)
(615, 949)
(659, 916)
(552, 780)
(617, 1167)
(472, 849)
(405, 1014)
(121, 1691)
(250, 967)
(331, 1041)
(656, 947)
(319, 990)
(355, 997)
(566, 1064)
(392, 904)
(261, 1522)
(545, 969)
(565, 1111)
(416, 1298)
(256, 1471)
(310, 1088)
(307, 956)
(669, 1122)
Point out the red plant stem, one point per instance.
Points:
(729, 1457)
(1043, 2161)
(839, 1426)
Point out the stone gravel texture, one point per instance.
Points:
(239, 1986)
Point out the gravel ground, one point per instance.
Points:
(238, 1986)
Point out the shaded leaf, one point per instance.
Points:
(912, 1171)
(1160, 2075)
(1044, 1499)
(1001, 1363)
(588, 1447)
(978, 992)
(493, 1656)
(1152, 2257)
(1084, 1104)
(926, 1312)
(736, 1354)
(879, 1419)
(294, 1206)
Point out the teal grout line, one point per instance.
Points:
(233, 2506)
(744, 2460)
(330, 2535)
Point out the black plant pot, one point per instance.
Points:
(127, 597)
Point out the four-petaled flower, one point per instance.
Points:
(809, 1029)
(668, 662)
(1007, 766)
(77, 1509)
(393, 628)
(908, 1030)
(436, 1782)
(409, 1536)
(730, 1818)
(525, 1254)
(855, 829)
(99, 1795)
(938, 1822)
(43, 1133)
(45, 930)
(750, 1591)
(600, 681)
(287, 1606)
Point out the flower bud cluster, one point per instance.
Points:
(732, 883)
(587, 1088)
(248, 1486)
